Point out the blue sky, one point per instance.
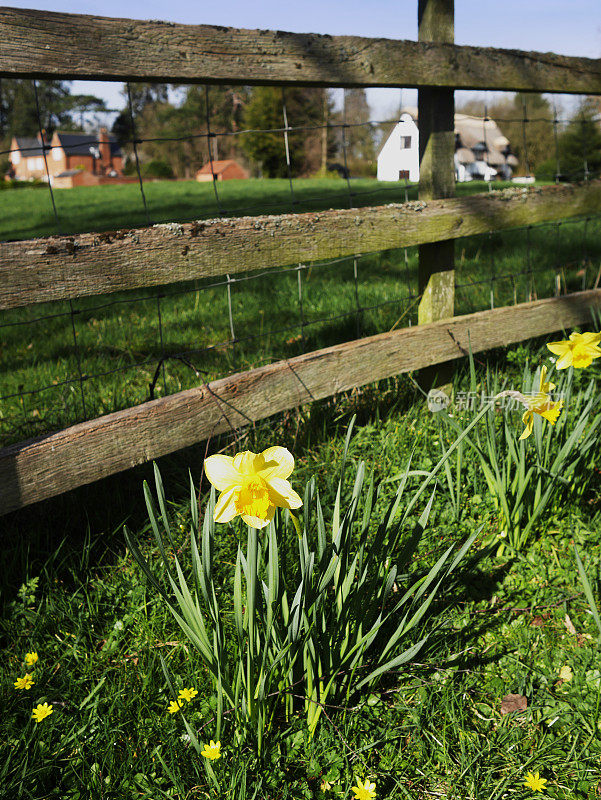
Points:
(569, 27)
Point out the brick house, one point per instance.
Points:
(92, 154)
(226, 170)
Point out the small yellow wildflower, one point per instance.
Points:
(24, 683)
(187, 694)
(364, 791)
(252, 485)
(578, 351)
(542, 404)
(41, 711)
(535, 782)
(565, 673)
(212, 750)
(174, 706)
(31, 658)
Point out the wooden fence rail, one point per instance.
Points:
(43, 467)
(57, 268)
(45, 44)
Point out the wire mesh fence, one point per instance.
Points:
(68, 361)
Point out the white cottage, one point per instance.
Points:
(399, 156)
(481, 150)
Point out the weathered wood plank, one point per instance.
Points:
(45, 44)
(56, 268)
(41, 468)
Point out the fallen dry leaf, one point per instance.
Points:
(570, 626)
(513, 702)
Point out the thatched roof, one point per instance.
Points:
(465, 155)
(473, 130)
(477, 133)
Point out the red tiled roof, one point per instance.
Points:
(218, 166)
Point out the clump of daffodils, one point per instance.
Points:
(252, 485)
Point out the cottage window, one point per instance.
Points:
(15, 157)
(57, 153)
(405, 142)
(31, 163)
(39, 162)
(404, 175)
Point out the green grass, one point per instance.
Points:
(433, 731)
(27, 212)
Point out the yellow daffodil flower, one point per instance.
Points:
(41, 711)
(542, 404)
(212, 750)
(535, 782)
(24, 683)
(252, 485)
(578, 351)
(565, 673)
(187, 694)
(364, 791)
(31, 658)
(174, 706)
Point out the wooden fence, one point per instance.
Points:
(45, 45)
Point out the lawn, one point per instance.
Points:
(27, 212)
(508, 624)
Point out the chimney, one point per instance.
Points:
(104, 147)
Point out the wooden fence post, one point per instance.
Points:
(436, 120)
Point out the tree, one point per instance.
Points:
(81, 105)
(264, 113)
(176, 133)
(19, 110)
(580, 144)
(360, 149)
(142, 95)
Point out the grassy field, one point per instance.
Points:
(27, 212)
(434, 730)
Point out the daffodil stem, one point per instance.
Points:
(252, 555)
